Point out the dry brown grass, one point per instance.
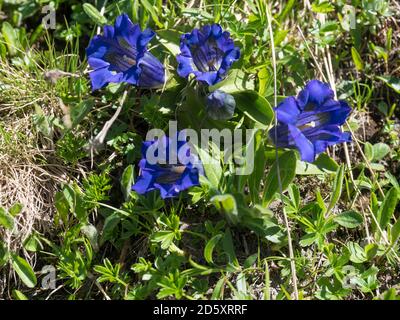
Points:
(30, 174)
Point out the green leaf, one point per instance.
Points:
(250, 261)
(203, 270)
(209, 248)
(294, 194)
(170, 40)
(390, 294)
(257, 175)
(320, 201)
(110, 224)
(337, 188)
(248, 172)
(369, 151)
(212, 167)
(154, 14)
(32, 243)
(262, 224)
(357, 254)
(164, 237)
(371, 250)
(263, 77)
(42, 122)
(380, 150)
(62, 206)
(4, 255)
(6, 220)
(92, 234)
(127, 181)
(236, 81)
(349, 219)
(357, 59)
(80, 208)
(387, 208)
(308, 239)
(10, 37)
(323, 164)
(196, 12)
(287, 170)
(287, 9)
(329, 26)
(374, 204)
(254, 106)
(229, 249)
(218, 292)
(395, 232)
(241, 285)
(24, 271)
(16, 209)
(326, 163)
(322, 7)
(79, 112)
(392, 82)
(70, 197)
(18, 295)
(71, 200)
(393, 181)
(94, 14)
(227, 204)
(280, 36)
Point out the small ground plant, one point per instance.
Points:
(244, 150)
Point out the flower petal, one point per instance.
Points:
(108, 31)
(100, 78)
(216, 30)
(152, 72)
(131, 76)
(305, 147)
(97, 48)
(207, 53)
(101, 75)
(185, 66)
(167, 191)
(227, 61)
(327, 137)
(144, 184)
(169, 179)
(225, 42)
(331, 113)
(189, 179)
(315, 92)
(96, 63)
(120, 55)
(208, 77)
(125, 29)
(204, 33)
(145, 37)
(288, 111)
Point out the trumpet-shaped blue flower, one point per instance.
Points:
(311, 122)
(176, 169)
(120, 55)
(208, 53)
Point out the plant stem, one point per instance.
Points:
(290, 244)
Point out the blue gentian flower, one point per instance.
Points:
(208, 53)
(120, 55)
(169, 178)
(220, 105)
(311, 122)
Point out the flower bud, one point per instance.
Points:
(220, 105)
